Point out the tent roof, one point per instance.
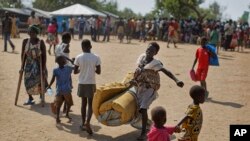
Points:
(27, 11)
(77, 10)
(111, 14)
(17, 11)
(45, 14)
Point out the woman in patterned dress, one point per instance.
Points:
(33, 52)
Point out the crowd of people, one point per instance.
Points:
(226, 34)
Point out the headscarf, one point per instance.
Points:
(34, 28)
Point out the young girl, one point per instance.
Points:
(87, 64)
(52, 35)
(234, 42)
(62, 74)
(158, 131)
(147, 82)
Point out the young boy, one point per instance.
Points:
(192, 122)
(87, 64)
(202, 55)
(62, 74)
(147, 82)
(63, 50)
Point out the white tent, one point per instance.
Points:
(77, 10)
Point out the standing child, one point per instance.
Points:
(52, 39)
(214, 38)
(62, 74)
(202, 55)
(192, 122)
(89, 64)
(63, 50)
(158, 131)
(147, 82)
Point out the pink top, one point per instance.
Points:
(162, 134)
(51, 28)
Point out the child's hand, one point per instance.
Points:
(48, 88)
(20, 71)
(73, 60)
(177, 129)
(179, 83)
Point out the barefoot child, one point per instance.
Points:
(62, 74)
(62, 49)
(192, 122)
(87, 64)
(147, 82)
(158, 131)
(202, 56)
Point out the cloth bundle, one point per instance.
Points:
(114, 104)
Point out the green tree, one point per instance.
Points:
(11, 3)
(127, 13)
(216, 10)
(181, 8)
(111, 7)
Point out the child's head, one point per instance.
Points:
(203, 41)
(66, 38)
(61, 61)
(198, 94)
(86, 45)
(152, 49)
(159, 116)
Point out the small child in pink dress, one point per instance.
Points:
(158, 131)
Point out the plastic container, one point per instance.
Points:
(49, 92)
(192, 75)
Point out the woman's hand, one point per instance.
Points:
(179, 83)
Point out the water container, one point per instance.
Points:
(49, 92)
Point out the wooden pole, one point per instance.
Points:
(20, 79)
(42, 82)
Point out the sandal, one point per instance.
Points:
(29, 102)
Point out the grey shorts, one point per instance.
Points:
(86, 90)
(145, 97)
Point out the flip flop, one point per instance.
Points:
(29, 102)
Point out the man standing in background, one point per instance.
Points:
(6, 29)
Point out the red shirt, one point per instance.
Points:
(203, 58)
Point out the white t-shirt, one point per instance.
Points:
(59, 52)
(87, 63)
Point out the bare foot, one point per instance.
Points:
(58, 121)
(88, 129)
(142, 137)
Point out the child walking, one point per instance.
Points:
(202, 56)
(62, 49)
(192, 122)
(158, 131)
(62, 74)
(147, 82)
(87, 64)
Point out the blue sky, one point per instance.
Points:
(234, 8)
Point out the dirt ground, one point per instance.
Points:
(228, 84)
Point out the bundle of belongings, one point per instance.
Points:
(115, 104)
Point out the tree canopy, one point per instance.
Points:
(11, 3)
